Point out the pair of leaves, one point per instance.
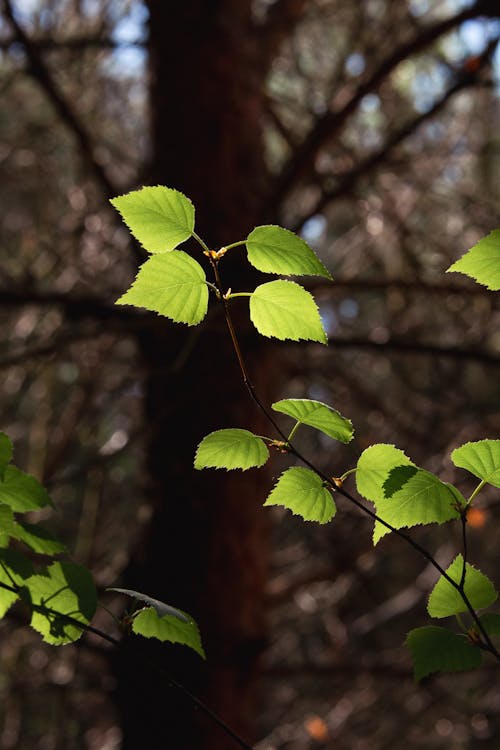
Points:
(161, 218)
(240, 449)
(173, 284)
(482, 262)
(164, 622)
(437, 649)
(403, 494)
(300, 490)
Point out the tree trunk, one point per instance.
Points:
(207, 547)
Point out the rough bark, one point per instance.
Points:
(206, 549)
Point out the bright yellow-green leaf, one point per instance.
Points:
(159, 217)
(302, 491)
(5, 453)
(482, 262)
(173, 285)
(318, 415)
(284, 310)
(232, 448)
(481, 458)
(273, 249)
(445, 600)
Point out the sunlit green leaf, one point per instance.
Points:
(231, 449)
(284, 310)
(273, 249)
(302, 491)
(5, 453)
(173, 285)
(318, 415)
(445, 600)
(66, 589)
(403, 494)
(22, 491)
(169, 628)
(481, 458)
(160, 608)
(482, 262)
(414, 496)
(374, 466)
(435, 649)
(159, 217)
(14, 569)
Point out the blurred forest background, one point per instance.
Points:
(373, 129)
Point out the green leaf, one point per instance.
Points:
(481, 458)
(414, 496)
(173, 285)
(445, 600)
(273, 249)
(67, 589)
(159, 217)
(482, 262)
(435, 649)
(38, 539)
(7, 525)
(231, 449)
(22, 491)
(160, 608)
(491, 623)
(318, 415)
(373, 468)
(170, 628)
(403, 494)
(14, 569)
(284, 310)
(302, 491)
(5, 453)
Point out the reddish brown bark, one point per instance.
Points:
(207, 547)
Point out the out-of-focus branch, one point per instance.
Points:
(349, 179)
(403, 346)
(329, 126)
(281, 18)
(74, 43)
(42, 75)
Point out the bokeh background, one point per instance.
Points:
(372, 129)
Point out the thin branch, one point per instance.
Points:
(347, 181)
(330, 125)
(42, 75)
(74, 43)
(402, 346)
(139, 657)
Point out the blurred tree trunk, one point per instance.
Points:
(206, 550)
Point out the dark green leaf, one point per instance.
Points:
(22, 492)
(169, 628)
(435, 649)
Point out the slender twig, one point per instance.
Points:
(487, 644)
(140, 657)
